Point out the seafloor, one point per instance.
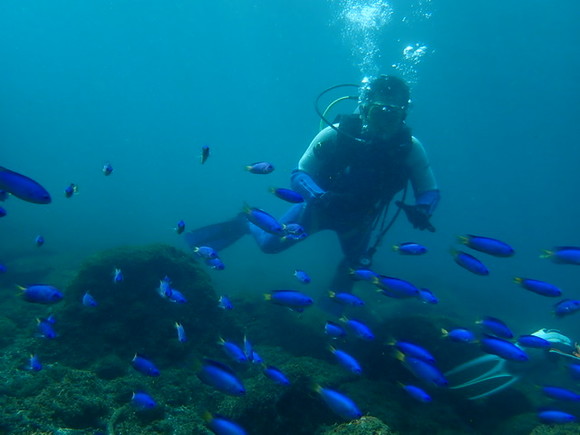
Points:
(87, 380)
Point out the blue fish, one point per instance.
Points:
(3, 195)
(117, 276)
(144, 366)
(427, 296)
(340, 404)
(287, 195)
(276, 375)
(256, 359)
(221, 377)
(264, 221)
(555, 417)
(204, 154)
(180, 227)
(410, 248)
(487, 245)
(292, 299)
(224, 303)
(423, 370)
(45, 328)
(107, 169)
(260, 168)
(143, 401)
(363, 275)
(222, 426)
(39, 241)
(302, 276)
(459, 335)
(539, 287)
(533, 342)
(41, 294)
(233, 351)
(470, 263)
(417, 393)
(334, 330)
(566, 307)
(164, 290)
(70, 190)
(346, 299)
(3, 212)
(23, 187)
(560, 393)
(346, 360)
(177, 297)
(215, 263)
(395, 287)
(563, 255)
(413, 350)
(3, 268)
(496, 327)
(504, 349)
(34, 364)
(88, 300)
(206, 252)
(359, 329)
(181, 336)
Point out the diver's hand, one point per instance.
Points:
(417, 215)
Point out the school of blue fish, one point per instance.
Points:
(491, 334)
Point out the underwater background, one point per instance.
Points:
(145, 84)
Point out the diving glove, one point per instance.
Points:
(417, 215)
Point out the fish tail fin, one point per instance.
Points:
(395, 248)
(518, 280)
(267, 297)
(462, 239)
(400, 356)
(444, 332)
(207, 417)
(546, 253)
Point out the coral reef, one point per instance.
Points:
(365, 425)
(131, 317)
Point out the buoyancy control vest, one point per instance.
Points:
(370, 170)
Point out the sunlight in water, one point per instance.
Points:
(363, 22)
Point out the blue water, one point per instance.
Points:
(144, 84)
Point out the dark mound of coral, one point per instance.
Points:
(131, 316)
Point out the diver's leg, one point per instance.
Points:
(220, 235)
(354, 244)
(272, 243)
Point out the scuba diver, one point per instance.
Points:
(348, 176)
(489, 374)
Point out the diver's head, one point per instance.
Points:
(383, 103)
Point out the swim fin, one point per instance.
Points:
(481, 377)
(220, 235)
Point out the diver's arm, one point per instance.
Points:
(422, 178)
(303, 183)
(311, 160)
(309, 165)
